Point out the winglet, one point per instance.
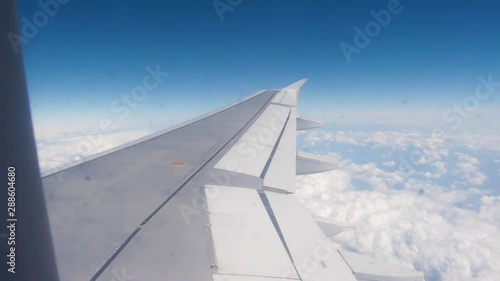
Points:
(296, 86)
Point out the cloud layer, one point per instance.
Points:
(412, 219)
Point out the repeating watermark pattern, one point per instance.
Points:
(223, 6)
(121, 275)
(362, 38)
(122, 107)
(454, 117)
(322, 252)
(30, 27)
(483, 91)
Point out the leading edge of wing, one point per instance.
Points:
(297, 85)
(74, 164)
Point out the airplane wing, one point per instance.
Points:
(211, 199)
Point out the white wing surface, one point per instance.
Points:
(211, 199)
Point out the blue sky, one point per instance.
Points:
(429, 55)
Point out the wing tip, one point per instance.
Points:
(297, 85)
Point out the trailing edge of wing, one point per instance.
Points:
(366, 268)
(329, 227)
(308, 246)
(245, 240)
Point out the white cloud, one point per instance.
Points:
(410, 218)
(476, 142)
(56, 152)
(441, 167)
(433, 144)
(425, 153)
(389, 164)
(414, 226)
(491, 208)
(468, 169)
(376, 177)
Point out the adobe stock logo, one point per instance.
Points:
(484, 90)
(223, 6)
(29, 28)
(372, 29)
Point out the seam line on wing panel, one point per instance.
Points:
(345, 261)
(270, 159)
(271, 215)
(253, 275)
(124, 244)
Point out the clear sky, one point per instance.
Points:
(89, 53)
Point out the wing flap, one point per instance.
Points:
(245, 241)
(330, 228)
(314, 257)
(246, 157)
(251, 152)
(281, 169)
